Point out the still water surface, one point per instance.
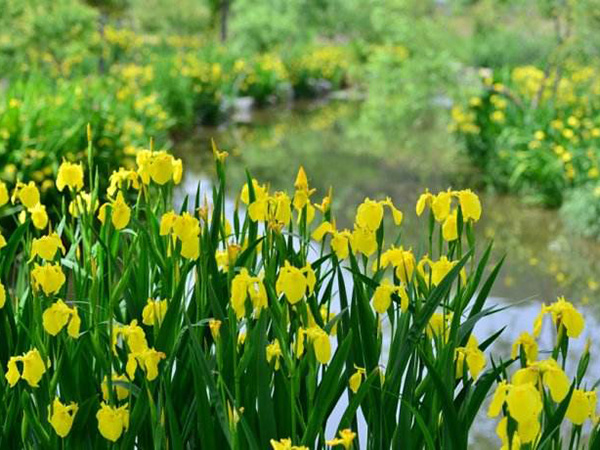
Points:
(338, 148)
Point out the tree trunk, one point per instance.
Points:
(102, 19)
(224, 19)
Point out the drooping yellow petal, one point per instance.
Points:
(356, 379)
(369, 215)
(529, 345)
(498, 399)
(161, 168)
(363, 241)
(321, 230)
(579, 407)
(70, 175)
(12, 372)
(47, 246)
(48, 277)
(121, 213)
(558, 383)
(382, 297)
(112, 421)
(56, 317)
(292, 283)
(2, 296)
(61, 417)
(33, 367)
(450, 228)
(470, 205)
(441, 206)
(528, 430)
(524, 402)
(39, 217)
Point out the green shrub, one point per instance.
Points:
(581, 210)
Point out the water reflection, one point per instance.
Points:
(338, 149)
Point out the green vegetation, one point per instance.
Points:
(133, 318)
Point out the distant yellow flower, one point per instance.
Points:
(303, 192)
(57, 316)
(121, 179)
(120, 212)
(450, 227)
(474, 357)
(563, 314)
(33, 368)
(215, 328)
(346, 437)
(186, 227)
(382, 297)
(48, 277)
(369, 215)
(118, 387)
(294, 282)
(3, 194)
(70, 175)
(524, 401)
(82, 204)
(497, 116)
(470, 205)
(274, 353)
(356, 379)
(147, 359)
(580, 407)
(439, 325)
(39, 217)
(244, 285)
(425, 199)
(285, 444)
(27, 194)
(321, 343)
(47, 246)
(61, 417)
(2, 295)
(529, 345)
(340, 243)
(161, 168)
(219, 155)
(363, 241)
(134, 336)
(441, 205)
(441, 268)
(547, 372)
(112, 421)
(154, 312)
(320, 232)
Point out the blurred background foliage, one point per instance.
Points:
(161, 68)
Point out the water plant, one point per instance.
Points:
(129, 323)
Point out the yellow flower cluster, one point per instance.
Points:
(49, 278)
(183, 228)
(441, 206)
(140, 354)
(523, 395)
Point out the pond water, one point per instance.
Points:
(338, 147)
